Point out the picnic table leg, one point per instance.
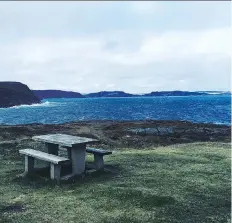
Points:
(55, 172)
(78, 159)
(52, 149)
(29, 165)
(99, 162)
(69, 154)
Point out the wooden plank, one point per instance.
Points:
(63, 139)
(43, 156)
(98, 151)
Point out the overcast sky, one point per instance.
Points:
(136, 47)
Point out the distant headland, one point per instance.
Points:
(41, 94)
(112, 94)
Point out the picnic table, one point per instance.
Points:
(75, 145)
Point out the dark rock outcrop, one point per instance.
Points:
(16, 93)
(56, 94)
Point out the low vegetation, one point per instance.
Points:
(178, 183)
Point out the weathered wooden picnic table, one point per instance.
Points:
(75, 145)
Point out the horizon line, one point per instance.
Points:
(130, 92)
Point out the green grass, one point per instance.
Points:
(183, 183)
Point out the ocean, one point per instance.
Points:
(198, 109)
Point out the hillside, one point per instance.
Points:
(56, 94)
(16, 93)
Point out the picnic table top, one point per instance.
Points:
(63, 139)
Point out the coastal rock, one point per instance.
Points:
(16, 93)
(124, 134)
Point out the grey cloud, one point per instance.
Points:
(90, 46)
(20, 19)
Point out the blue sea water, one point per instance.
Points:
(199, 109)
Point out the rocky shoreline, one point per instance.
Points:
(122, 134)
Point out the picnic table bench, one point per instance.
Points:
(55, 162)
(76, 148)
(98, 156)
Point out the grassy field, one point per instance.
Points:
(182, 183)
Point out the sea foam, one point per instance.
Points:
(43, 104)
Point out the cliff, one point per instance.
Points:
(56, 94)
(16, 93)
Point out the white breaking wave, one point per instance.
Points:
(44, 104)
(214, 93)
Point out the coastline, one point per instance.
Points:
(123, 134)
